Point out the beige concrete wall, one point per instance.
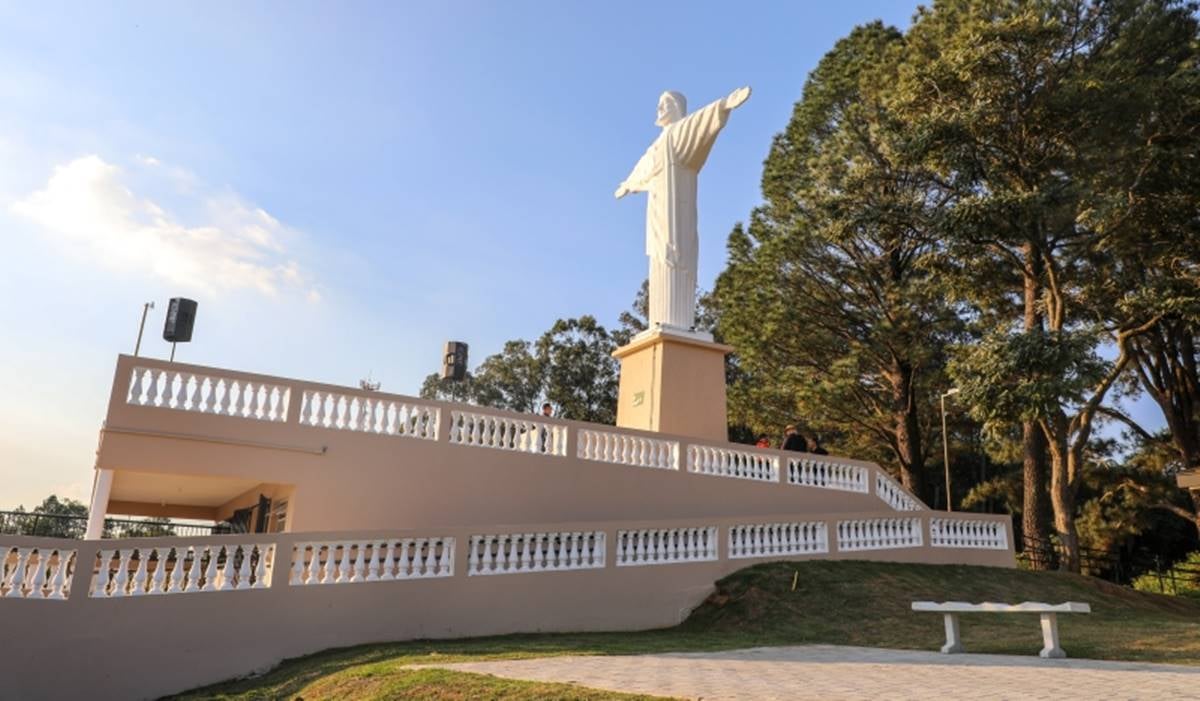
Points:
(147, 646)
(355, 481)
(134, 508)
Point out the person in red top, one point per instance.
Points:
(763, 441)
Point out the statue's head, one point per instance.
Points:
(672, 106)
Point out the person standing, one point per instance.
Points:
(763, 441)
(792, 440)
(543, 431)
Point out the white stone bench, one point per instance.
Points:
(1049, 614)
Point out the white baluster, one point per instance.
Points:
(356, 564)
(159, 580)
(17, 575)
(260, 569)
(314, 572)
(122, 578)
(243, 568)
(36, 575)
(385, 568)
(227, 572)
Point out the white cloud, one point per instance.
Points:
(87, 206)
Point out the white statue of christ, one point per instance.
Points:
(668, 172)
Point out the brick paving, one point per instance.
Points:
(837, 672)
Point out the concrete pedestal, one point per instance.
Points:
(673, 381)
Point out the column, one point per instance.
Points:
(99, 506)
(953, 639)
(1050, 646)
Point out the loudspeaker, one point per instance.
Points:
(454, 361)
(181, 315)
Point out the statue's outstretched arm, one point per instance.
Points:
(639, 177)
(736, 98)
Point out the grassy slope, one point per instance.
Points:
(848, 603)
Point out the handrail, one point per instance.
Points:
(33, 523)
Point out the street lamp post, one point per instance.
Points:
(946, 445)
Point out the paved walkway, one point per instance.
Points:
(836, 672)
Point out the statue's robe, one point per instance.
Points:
(668, 172)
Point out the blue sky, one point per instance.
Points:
(345, 186)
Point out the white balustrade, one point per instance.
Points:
(507, 433)
(771, 539)
(627, 449)
(946, 532)
(36, 572)
(349, 412)
(181, 569)
(373, 560)
(879, 534)
(825, 474)
(536, 552)
(894, 495)
(662, 546)
(188, 391)
(727, 462)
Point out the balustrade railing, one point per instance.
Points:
(826, 474)
(188, 391)
(181, 569)
(536, 552)
(36, 572)
(662, 546)
(728, 462)
(769, 539)
(268, 400)
(627, 449)
(879, 534)
(507, 433)
(376, 560)
(894, 495)
(948, 532)
(368, 414)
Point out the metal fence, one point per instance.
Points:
(1113, 565)
(68, 526)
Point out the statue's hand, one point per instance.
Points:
(621, 191)
(737, 97)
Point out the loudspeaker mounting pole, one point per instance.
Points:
(142, 327)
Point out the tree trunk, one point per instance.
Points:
(1035, 503)
(908, 432)
(1195, 495)
(1062, 498)
(1033, 444)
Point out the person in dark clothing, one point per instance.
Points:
(815, 446)
(792, 440)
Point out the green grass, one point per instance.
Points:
(843, 603)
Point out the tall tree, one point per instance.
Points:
(827, 297)
(1017, 106)
(580, 372)
(571, 366)
(512, 379)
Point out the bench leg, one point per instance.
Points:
(1050, 647)
(953, 641)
